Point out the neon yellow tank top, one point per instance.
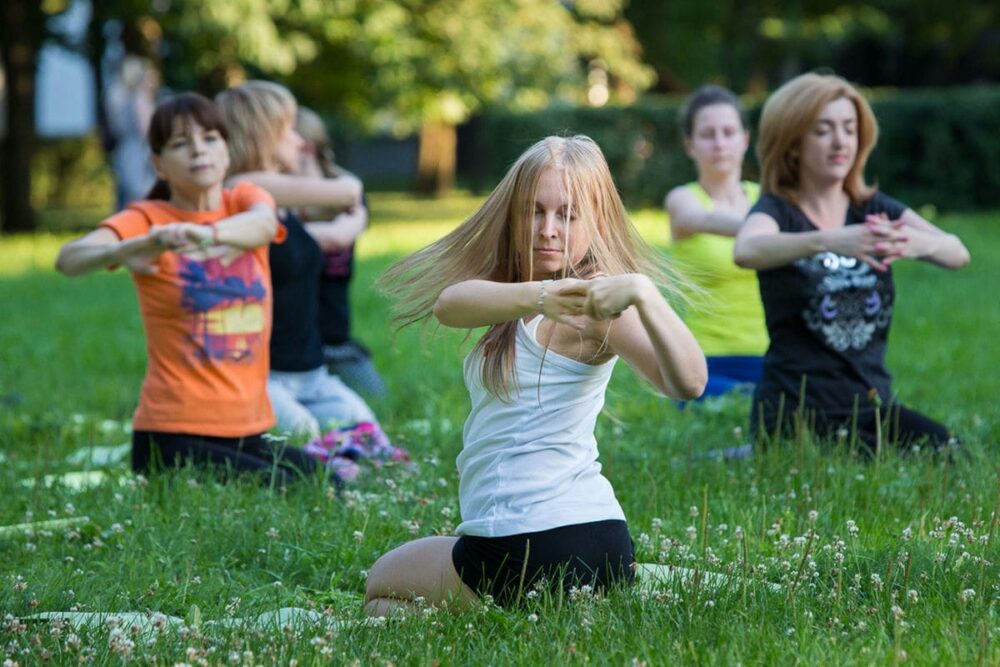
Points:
(729, 319)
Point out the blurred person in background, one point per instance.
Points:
(705, 215)
(128, 107)
(822, 242)
(198, 254)
(345, 357)
(265, 150)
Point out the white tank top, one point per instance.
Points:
(531, 464)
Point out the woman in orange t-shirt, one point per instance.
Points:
(198, 254)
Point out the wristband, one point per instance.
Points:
(541, 295)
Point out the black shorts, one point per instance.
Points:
(598, 554)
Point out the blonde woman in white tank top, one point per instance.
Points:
(552, 265)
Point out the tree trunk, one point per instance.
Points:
(19, 43)
(436, 159)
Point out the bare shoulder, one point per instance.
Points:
(680, 197)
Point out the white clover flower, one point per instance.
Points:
(813, 515)
(967, 594)
(852, 527)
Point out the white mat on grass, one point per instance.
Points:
(651, 575)
(149, 623)
(100, 455)
(52, 524)
(76, 480)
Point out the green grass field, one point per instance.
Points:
(877, 562)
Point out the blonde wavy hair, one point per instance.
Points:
(495, 243)
(256, 113)
(789, 114)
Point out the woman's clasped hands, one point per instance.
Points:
(139, 255)
(577, 302)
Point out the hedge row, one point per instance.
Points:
(939, 147)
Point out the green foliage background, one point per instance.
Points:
(939, 147)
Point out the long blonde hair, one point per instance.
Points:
(256, 113)
(789, 113)
(495, 243)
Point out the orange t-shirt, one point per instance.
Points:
(207, 317)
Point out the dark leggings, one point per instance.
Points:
(252, 453)
(900, 425)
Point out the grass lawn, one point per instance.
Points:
(878, 562)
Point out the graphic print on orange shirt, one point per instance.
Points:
(225, 306)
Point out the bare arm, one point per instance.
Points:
(689, 217)
(290, 191)
(102, 249)
(340, 232)
(761, 245)
(252, 228)
(478, 303)
(929, 243)
(649, 335)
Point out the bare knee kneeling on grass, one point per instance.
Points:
(419, 569)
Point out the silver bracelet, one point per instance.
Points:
(541, 295)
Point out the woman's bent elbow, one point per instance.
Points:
(441, 311)
(66, 267)
(742, 258)
(694, 388)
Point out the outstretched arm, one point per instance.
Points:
(252, 228)
(649, 336)
(102, 248)
(291, 191)
(342, 231)
(688, 216)
(478, 303)
(761, 245)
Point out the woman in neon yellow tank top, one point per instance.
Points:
(704, 218)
